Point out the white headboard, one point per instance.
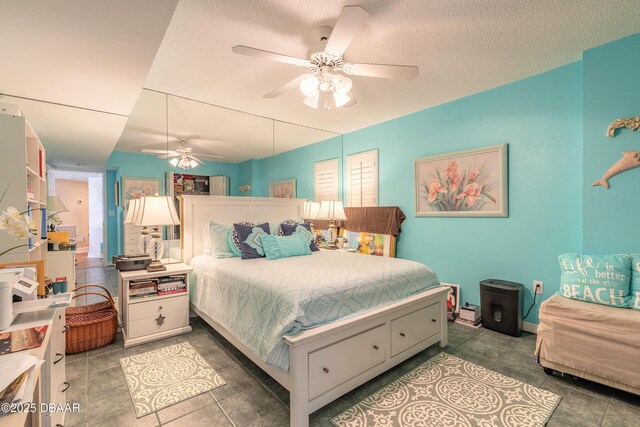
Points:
(198, 210)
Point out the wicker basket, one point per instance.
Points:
(90, 308)
(92, 330)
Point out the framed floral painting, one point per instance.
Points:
(464, 183)
(285, 189)
(135, 187)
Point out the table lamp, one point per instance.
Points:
(133, 217)
(331, 210)
(310, 211)
(155, 211)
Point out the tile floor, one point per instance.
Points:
(252, 398)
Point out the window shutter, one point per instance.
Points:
(325, 180)
(362, 179)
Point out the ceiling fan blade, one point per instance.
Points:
(404, 72)
(150, 150)
(351, 19)
(169, 155)
(208, 155)
(286, 87)
(271, 56)
(195, 159)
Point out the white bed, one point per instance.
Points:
(390, 315)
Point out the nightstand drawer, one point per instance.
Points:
(152, 308)
(148, 326)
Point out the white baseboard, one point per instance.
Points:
(530, 327)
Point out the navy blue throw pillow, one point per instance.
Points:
(304, 230)
(249, 238)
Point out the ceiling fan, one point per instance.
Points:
(324, 85)
(181, 157)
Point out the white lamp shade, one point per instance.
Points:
(311, 210)
(54, 204)
(331, 210)
(156, 210)
(131, 212)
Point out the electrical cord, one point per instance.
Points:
(535, 294)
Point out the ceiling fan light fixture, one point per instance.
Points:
(340, 98)
(193, 163)
(342, 84)
(312, 101)
(309, 86)
(174, 162)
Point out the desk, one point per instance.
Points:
(50, 384)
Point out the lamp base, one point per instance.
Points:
(156, 265)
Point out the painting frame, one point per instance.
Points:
(455, 292)
(497, 153)
(283, 189)
(136, 186)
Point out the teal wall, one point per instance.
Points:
(611, 91)
(144, 165)
(540, 119)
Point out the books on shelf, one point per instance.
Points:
(165, 285)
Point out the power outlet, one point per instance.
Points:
(538, 286)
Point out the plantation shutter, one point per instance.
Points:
(362, 179)
(325, 180)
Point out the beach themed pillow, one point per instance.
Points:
(249, 238)
(304, 230)
(635, 281)
(598, 279)
(278, 247)
(219, 240)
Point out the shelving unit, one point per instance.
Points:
(23, 175)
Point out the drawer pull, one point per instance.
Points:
(64, 329)
(326, 370)
(60, 357)
(434, 320)
(375, 347)
(67, 386)
(402, 334)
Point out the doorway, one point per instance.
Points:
(82, 194)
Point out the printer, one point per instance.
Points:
(131, 262)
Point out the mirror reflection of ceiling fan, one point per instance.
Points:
(324, 85)
(181, 157)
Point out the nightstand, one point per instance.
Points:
(154, 305)
(350, 250)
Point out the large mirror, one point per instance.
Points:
(173, 145)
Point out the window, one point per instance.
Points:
(362, 179)
(325, 180)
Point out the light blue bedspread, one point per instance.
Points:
(260, 301)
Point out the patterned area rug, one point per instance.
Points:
(448, 391)
(166, 376)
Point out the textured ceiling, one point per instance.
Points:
(461, 46)
(89, 54)
(207, 129)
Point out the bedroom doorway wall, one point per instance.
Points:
(82, 194)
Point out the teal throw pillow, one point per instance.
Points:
(635, 282)
(219, 238)
(278, 247)
(596, 279)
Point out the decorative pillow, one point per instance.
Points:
(276, 228)
(234, 241)
(277, 247)
(635, 282)
(598, 279)
(249, 238)
(219, 240)
(304, 230)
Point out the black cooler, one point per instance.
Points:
(501, 306)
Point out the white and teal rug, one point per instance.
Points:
(166, 376)
(448, 391)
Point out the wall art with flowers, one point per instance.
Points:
(134, 188)
(464, 183)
